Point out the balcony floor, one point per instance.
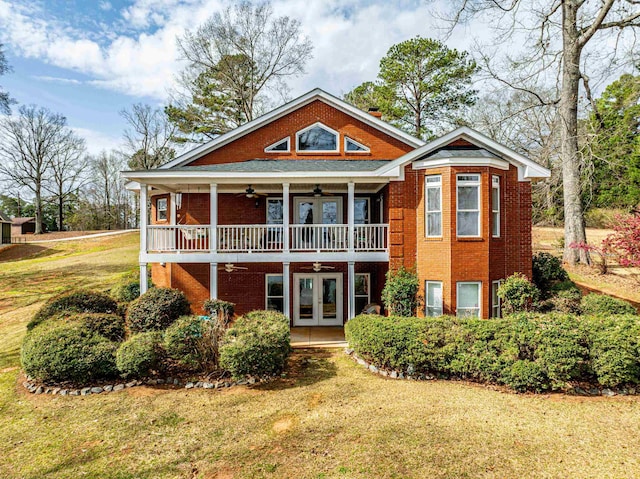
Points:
(318, 337)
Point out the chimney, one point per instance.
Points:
(375, 112)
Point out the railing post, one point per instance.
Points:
(213, 217)
(285, 217)
(351, 189)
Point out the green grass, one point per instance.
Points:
(327, 419)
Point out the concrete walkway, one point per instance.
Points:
(318, 337)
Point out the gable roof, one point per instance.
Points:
(288, 166)
(313, 95)
(498, 153)
(22, 220)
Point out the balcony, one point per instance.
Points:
(317, 238)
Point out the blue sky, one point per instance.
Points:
(90, 59)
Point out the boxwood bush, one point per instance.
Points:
(79, 301)
(193, 341)
(547, 271)
(126, 291)
(140, 355)
(527, 352)
(111, 326)
(258, 345)
(64, 351)
(156, 310)
(601, 304)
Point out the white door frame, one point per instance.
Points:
(318, 319)
(317, 208)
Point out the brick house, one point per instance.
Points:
(306, 208)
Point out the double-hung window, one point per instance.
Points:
(468, 205)
(433, 205)
(275, 216)
(274, 293)
(495, 206)
(496, 302)
(433, 302)
(161, 209)
(362, 291)
(468, 296)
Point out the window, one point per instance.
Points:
(275, 293)
(281, 146)
(496, 302)
(161, 209)
(433, 303)
(468, 204)
(495, 206)
(361, 211)
(363, 292)
(353, 146)
(274, 211)
(469, 299)
(433, 205)
(317, 138)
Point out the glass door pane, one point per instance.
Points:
(306, 300)
(329, 299)
(329, 212)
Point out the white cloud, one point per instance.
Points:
(69, 81)
(106, 6)
(97, 141)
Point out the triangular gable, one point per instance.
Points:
(527, 169)
(286, 109)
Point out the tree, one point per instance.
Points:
(30, 143)
(243, 53)
(148, 137)
(5, 99)
(559, 33)
(613, 144)
(66, 177)
(422, 86)
(107, 200)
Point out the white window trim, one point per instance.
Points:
(165, 209)
(357, 143)
(368, 200)
(478, 184)
(495, 219)
(479, 307)
(266, 205)
(317, 208)
(494, 306)
(368, 275)
(288, 150)
(266, 290)
(323, 126)
(426, 295)
(426, 205)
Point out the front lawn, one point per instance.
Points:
(327, 418)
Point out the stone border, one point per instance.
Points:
(575, 391)
(34, 388)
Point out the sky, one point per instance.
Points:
(90, 59)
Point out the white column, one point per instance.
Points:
(285, 217)
(144, 285)
(213, 280)
(173, 210)
(286, 290)
(351, 301)
(213, 218)
(351, 190)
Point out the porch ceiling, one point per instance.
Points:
(297, 189)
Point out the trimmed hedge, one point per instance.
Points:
(140, 355)
(258, 344)
(73, 302)
(606, 305)
(526, 352)
(68, 351)
(193, 341)
(156, 310)
(111, 326)
(126, 292)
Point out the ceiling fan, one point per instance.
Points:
(251, 193)
(317, 192)
(230, 267)
(317, 267)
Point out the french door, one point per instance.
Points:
(317, 299)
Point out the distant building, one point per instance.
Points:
(23, 226)
(5, 227)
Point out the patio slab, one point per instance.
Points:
(318, 337)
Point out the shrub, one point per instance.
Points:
(258, 344)
(525, 376)
(80, 301)
(126, 292)
(67, 351)
(567, 301)
(223, 310)
(400, 292)
(156, 310)
(193, 341)
(518, 294)
(140, 355)
(547, 270)
(111, 326)
(601, 304)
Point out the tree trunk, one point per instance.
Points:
(574, 231)
(38, 208)
(60, 210)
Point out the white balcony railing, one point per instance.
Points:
(266, 238)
